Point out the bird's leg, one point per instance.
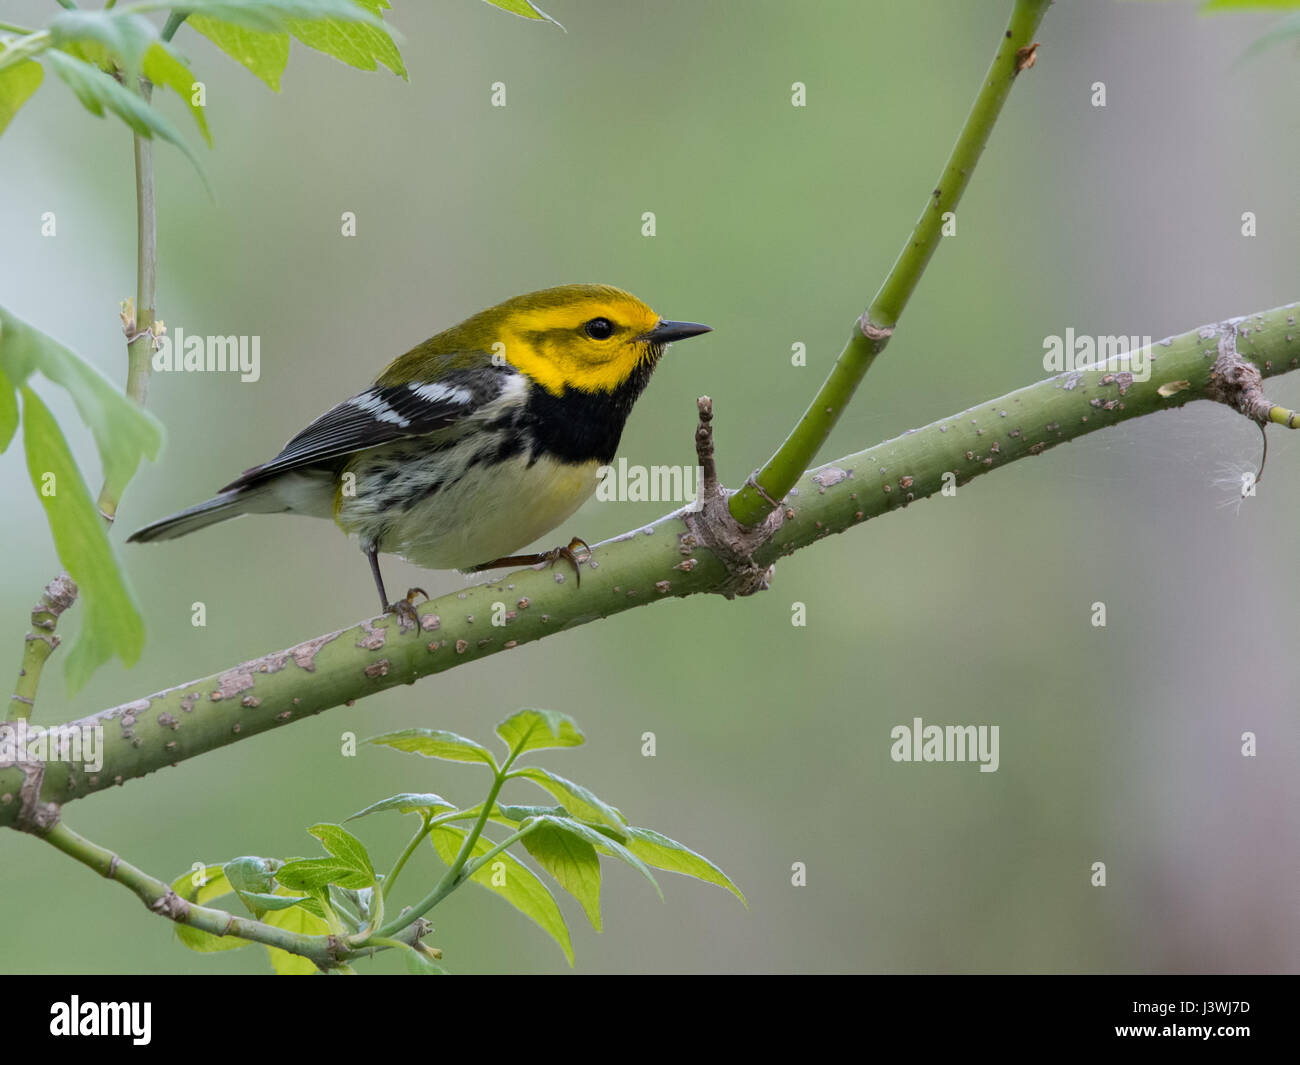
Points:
(569, 554)
(403, 608)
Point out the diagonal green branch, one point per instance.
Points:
(871, 332)
(327, 952)
(1223, 362)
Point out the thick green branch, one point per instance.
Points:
(1222, 362)
(871, 332)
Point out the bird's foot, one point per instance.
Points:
(569, 553)
(405, 609)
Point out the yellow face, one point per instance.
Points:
(588, 337)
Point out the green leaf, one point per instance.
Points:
(601, 841)
(355, 43)
(112, 625)
(123, 432)
(294, 919)
(514, 882)
(260, 902)
(97, 91)
(435, 743)
(264, 54)
(581, 803)
(17, 83)
(124, 36)
(276, 15)
(572, 861)
(524, 9)
(316, 874)
(420, 964)
(214, 885)
(251, 874)
(313, 905)
(163, 66)
(8, 410)
(517, 815)
(407, 802)
(345, 847)
(253, 880)
(668, 854)
(202, 888)
(537, 730)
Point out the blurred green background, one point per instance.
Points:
(775, 225)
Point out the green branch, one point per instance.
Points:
(138, 324)
(1223, 362)
(40, 643)
(762, 493)
(326, 952)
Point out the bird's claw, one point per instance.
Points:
(405, 609)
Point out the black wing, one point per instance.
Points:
(379, 415)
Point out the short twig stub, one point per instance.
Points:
(713, 528)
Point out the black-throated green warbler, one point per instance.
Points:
(472, 444)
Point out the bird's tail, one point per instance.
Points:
(226, 505)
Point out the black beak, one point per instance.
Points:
(667, 332)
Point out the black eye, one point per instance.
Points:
(599, 329)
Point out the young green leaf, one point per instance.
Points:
(572, 861)
(419, 963)
(260, 902)
(316, 874)
(355, 43)
(294, 919)
(124, 433)
(407, 802)
(8, 408)
(265, 54)
(17, 83)
(517, 815)
(97, 91)
(538, 730)
(581, 803)
(345, 847)
(276, 14)
(112, 624)
(512, 880)
(602, 842)
(254, 882)
(202, 888)
(668, 854)
(435, 743)
(251, 874)
(120, 34)
(524, 9)
(163, 66)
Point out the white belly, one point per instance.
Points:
(488, 513)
